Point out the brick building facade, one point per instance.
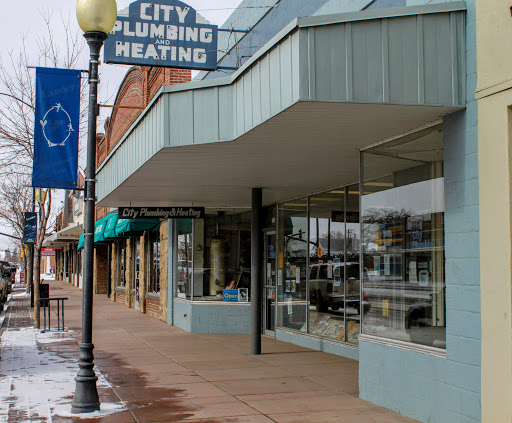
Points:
(136, 92)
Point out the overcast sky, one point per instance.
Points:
(22, 18)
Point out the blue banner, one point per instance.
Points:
(165, 33)
(56, 128)
(30, 229)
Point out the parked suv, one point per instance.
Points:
(326, 286)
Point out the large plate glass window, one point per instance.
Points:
(222, 255)
(154, 262)
(403, 239)
(292, 267)
(184, 257)
(326, 264)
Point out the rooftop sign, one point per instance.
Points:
(162, 33)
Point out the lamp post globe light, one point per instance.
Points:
(96, 18)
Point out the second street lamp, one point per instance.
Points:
(96, 18)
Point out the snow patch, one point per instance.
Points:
(106, 409)
(39, 384)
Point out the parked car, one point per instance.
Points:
(326, 288)
(9, 270)
(5, 286)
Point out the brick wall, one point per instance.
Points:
(101, 267)
(139, 86)
(153, 308)
(120, 297)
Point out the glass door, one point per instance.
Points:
(269, 271)
(136, 271)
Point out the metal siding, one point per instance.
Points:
(226, 123)
(286, 73)
(461, 55)
(367, 61)
(437, 58)
(248, 100)
(239, 111)
(331, 63)
(256, 94)
(275, 81)
(302, 73)
(403, 60)
(417, 60)
(206, 115)
(294, 39)
(265, 87)
(181, 115)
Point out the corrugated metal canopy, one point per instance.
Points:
(293, 119)
(295, 153)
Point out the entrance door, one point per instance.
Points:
(136, 270)
(269, 271)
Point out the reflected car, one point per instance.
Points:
(327, 291)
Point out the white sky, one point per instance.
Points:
(22, 18)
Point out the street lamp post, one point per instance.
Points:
(96, 18)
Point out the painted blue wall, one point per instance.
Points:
(424, 387)
(319, 344)
(232, 319)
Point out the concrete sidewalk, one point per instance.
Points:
(159, 373)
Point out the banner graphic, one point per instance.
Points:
(30, 229)
(56, 127)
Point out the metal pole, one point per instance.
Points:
(256, 263)
(30, 268)
(85, 399)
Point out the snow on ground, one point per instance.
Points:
(38, 384)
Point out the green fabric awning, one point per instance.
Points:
(99, 231)
(110, 228)
(136, 227)
(81, 242)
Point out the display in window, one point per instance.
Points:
(403, 239)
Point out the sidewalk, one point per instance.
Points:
(152, 372)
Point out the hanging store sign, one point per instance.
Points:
(47, 252)
(162, 33)
(160, 212)
(30, 229)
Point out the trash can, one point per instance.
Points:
(44, 292)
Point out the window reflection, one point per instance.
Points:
(403, 239)
(184, 250)
(334, 282)
(292, 267)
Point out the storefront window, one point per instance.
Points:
(184, 257)
(121, 281)
(403, 239)
(214, 254)
(154, 262)
(293, 265)
(136, 270)
(334, 283)
(222, 255)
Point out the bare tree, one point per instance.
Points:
(17, 105)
